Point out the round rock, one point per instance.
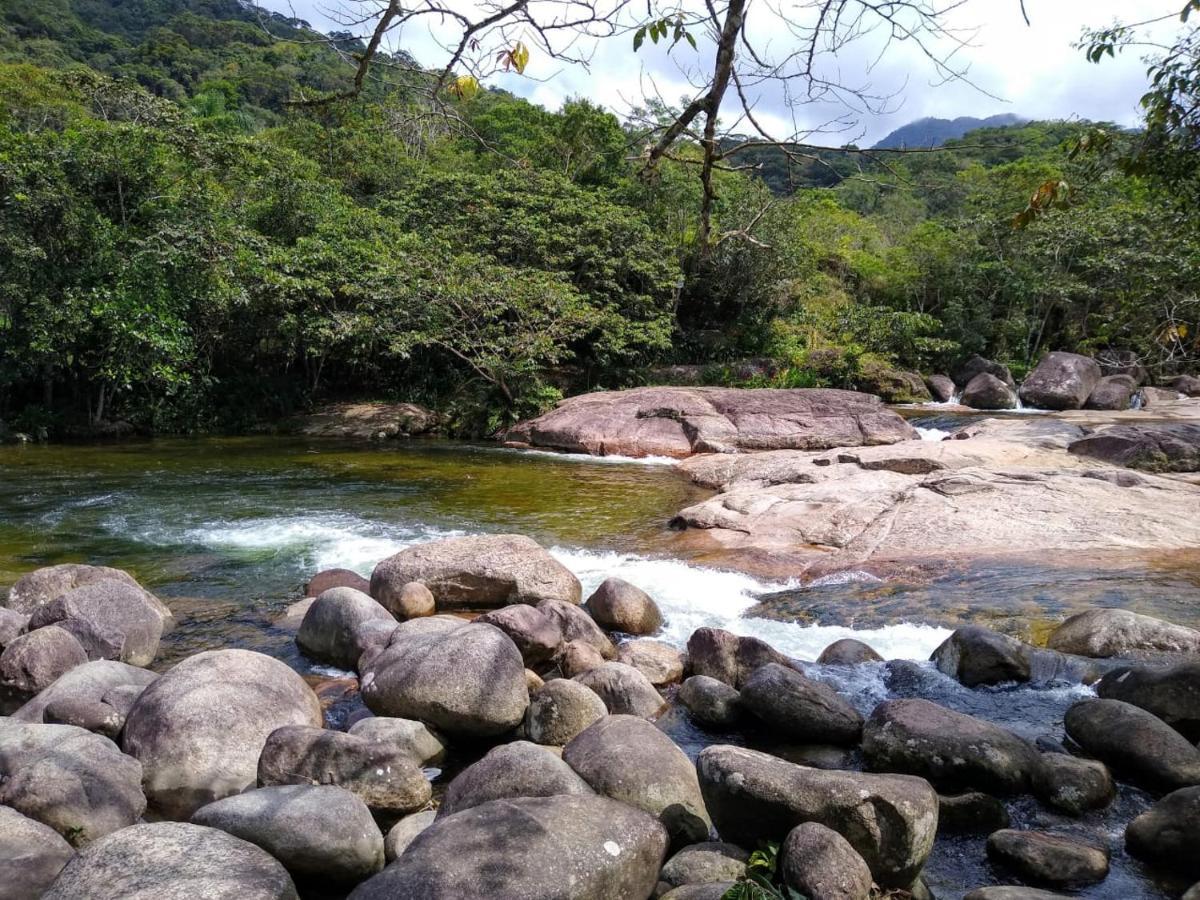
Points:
(620, 606)
(799, 707)
(519, 769)
(847, 652)
(561, 709)
(820, 864)
(31, 856)
(1048, 859)
(1135, 743)
(711, 703)
(412, 738)
(1168, 833)
(661, 663)
(34, 661)
(336, 630)
(705, 863)
(405, 832)
(536, 635)
(111, 619)
(1072, 785)
(576, 625)
(624, 690)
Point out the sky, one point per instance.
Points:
(1033, 70)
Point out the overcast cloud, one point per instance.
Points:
(1030, 70)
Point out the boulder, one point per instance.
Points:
(577, 625)
(1048, 859)
(671, 421)
(624, 690)
(972, 812)
(661, 663)
(561, 709)
(1060, 381)
(620, 606)
(729, 657)
(568, 847)
(941, 388)
(97, 684)
(576, 657)
(381, 775)
(951, 749)
(172, 861)
(705, 863)
(986, 391)
(519, 769)
(536, 635)
(974, 655)
(98, 717)
(71, 780)
(336, 628)
(45, 585)
(405, 832)
(890, 384)
(34, 661)
(820, 864)
(713, 890)
(1170, 692)
(466, 682)
(788, 703)
(322, 834)
(199, 729)
(412, 601)
(367, 420)
(1168, 833)
(31, 856)
(1112, 392)
(1184, 384)
(111, 619)
(412, 738)
(12, 623)
(1134, 743)
(1153, 447)
(331, 578)
(890, 820)
(847, 652)
(1011, 892)
(711, 703)
(1072, 785)
(1120, 632)
(477, 572)
(977, 365)
(628, 759)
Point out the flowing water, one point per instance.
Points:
(228, 530)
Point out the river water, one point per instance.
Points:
(228, 530)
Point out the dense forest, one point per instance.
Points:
(187, 245)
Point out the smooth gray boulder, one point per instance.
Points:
(561, 709)
(620, 606)
(798, 707)
(704, 863)
(890, 820)
(1168, 833)
(49, 583)
(1071, 784)
(576, 657)
(536, 635)
(172, 861)
(31, 856)
(661, 663)
(331, 578)
(1112, 392)
(412, 738)
(1013, 892)
(467, 682)
(847, 652)
(977, 365)
(713, 890)
(34, 661)
(729, 657)
(820, 864)
(1048, 859)
(111, 619)
(986, 391)
(971, 812)
(711, 703)
(90, 683)
(1135, 744)
(477, 572)
(941, 388)
(1170, 692)
(322, 834)
(199, 729)
(628, 759)
(577, 625)
(568, 847)
(12, 623)
(336, 629)
(974, 655)
(624, 690)
(383, 776)
(951, 749)
(1120, 632)
(412, 601)
(405, 831)
(1060, 381)
(519, 769)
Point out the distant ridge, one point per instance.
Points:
(932, 132)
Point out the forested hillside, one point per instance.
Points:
(185, 247)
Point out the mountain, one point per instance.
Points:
(932, 132)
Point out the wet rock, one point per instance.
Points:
(561, 709)
(971, 812)
(711, 703)
(820, 864)
(1012, 892)
(103, 683)
(333, 630)
(1152, 447)
(1048, 859)
(628, 759)
(199, 728)
(172, 861)
(1071, 784)
(34, 661)
(669, 421)
(12, 623)
(48, 584)
(977, 365)
(1168, 833)
(624, 690)
(974, 655)
(1112, 392)
(704, 863)
(405, 832)
(71, 780)
(620, 606)
(729, 657)
(519, 769)
(1119, 632)
(467, 682)
(477, 572)
(847, 652)
(571, 847)
(986, 391)
(536, 635)
(382, 776)
(1060, 381)
(412, 738)
(1134, 743)
(1172, 693)
(890, 820)
(799, 707)
(953, 750)
(661, 663)
(332, 578)
(110, 619)
(941, 388)
(577, 625)
(31, 856)
(576, 657)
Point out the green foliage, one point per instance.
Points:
(761, 879)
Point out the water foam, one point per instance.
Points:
(616, 459)
(932, 434)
